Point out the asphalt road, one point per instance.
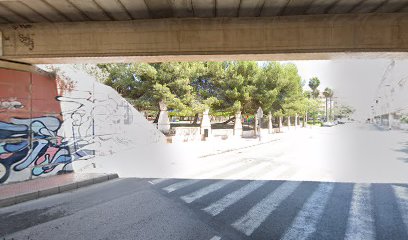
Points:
(218, 204)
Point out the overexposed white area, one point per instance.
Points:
(97, 121)
(352, 152)
(357, 82)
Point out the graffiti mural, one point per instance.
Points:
(32, 143)
(50, 125)
(30, 122)
(11, 103)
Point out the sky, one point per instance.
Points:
(354, 81)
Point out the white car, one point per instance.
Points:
(328, 124)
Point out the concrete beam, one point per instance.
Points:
(179, 39)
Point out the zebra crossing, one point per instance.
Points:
(361, 222)
(219, 199)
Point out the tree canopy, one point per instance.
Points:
(314, 84)
(190, 87)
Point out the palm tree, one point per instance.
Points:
(314, 84)
(328, 94)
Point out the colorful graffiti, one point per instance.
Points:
(9, 104)
(32, 142)
(45, 127)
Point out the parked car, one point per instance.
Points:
(328, 124)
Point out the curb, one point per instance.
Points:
(55, 190)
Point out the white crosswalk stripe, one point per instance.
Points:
(157, 181)
(215, 238)
(209, 170)
(185, 183)
(220, 184)
(360, 223)
(179, 185)
(401, 194)
(219, 206)
(304, 225)
(258, 213)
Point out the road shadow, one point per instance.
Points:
(403, 148)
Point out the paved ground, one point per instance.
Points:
(218, 204)
(17, 192)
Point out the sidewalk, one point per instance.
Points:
(14, 193)
(217, 146)
(176, 160)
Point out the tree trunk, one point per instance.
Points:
(195, 118)
(327, 119)
(270, 127)
(289, 122)
(331, 115)
(280, 124)
(156, 120)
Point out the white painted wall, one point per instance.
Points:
(98, 122)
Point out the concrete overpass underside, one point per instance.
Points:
(57, 31)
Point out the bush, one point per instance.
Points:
(315, 123)
(404, 119)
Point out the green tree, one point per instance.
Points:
(148, 84)
(343, 111)
(328, 94)
(313, 108)
(291, 91)
(189, 87)
(314, 84)
(267, 86)
(133, 81)
(234, 86)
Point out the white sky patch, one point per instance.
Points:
(355, 81)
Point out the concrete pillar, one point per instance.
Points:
(296, 120)
(256, 125)
(280, 124)
(238, 125)
(163, 123)
(205, 126)
(270, 127)
(288, 122)
(390, 121)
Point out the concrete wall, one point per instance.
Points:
(285, 37)
(49, 124)
(31, 143)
